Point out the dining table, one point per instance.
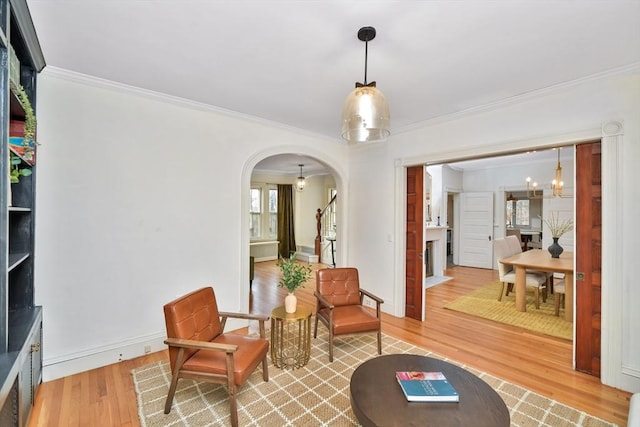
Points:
(541, 260)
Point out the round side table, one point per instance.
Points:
(290, 337)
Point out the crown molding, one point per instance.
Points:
(627, 69)
(101, 83)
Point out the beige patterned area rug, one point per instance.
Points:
(483, 302)
(317, 394)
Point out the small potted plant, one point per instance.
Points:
(294, 276)
(29, 132)
(557, 227)
(16, 171)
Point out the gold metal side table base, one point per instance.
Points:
(290, 337)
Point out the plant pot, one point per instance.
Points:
(555, 249)
(290, 303)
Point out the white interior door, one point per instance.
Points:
(476, 230)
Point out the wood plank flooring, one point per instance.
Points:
(106, 396)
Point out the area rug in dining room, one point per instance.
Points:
(317, 394)
(483, 302)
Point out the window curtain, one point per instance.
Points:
(286, 235)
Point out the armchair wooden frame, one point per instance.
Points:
(186, 348)
(326, 309)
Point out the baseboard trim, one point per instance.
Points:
(73, 363)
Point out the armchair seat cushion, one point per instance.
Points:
(340, 305)
(349, 319)
(249, 355)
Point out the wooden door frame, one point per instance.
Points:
(611, 134)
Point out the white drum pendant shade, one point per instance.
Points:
(365, 116)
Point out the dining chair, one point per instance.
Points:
(516, 233)
(535, 281)
(559, 294)
(514, 246)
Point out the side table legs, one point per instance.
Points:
(290, 342)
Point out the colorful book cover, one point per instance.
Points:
(426, 387)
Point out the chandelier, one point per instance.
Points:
(365, 116)
(556, 184)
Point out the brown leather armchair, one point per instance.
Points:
(340, 305)
(200, 350)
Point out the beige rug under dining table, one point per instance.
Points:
(541, 260)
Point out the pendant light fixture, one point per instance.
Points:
(301, 182)
(365, 116)
(556, 184)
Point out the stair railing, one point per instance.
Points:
(320, 221)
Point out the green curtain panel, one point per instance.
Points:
(286, 235)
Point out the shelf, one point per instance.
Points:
(29, 162)
(17, 110)
(16, 259)
(20, 319)
(18, 209)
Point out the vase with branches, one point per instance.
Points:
(557, 227)
(294, 276)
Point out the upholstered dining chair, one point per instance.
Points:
(516, 233)
(536, 281)
(340, 305)
(200, 350)
(515, 248)
(558, 296)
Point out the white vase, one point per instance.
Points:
(290, 303)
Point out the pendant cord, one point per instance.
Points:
(366, 54)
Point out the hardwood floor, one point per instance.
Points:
(106, 396)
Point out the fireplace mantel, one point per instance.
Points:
(437, 235)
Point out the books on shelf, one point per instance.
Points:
(426, 387)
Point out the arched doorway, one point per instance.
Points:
(262, 175)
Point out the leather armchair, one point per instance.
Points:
(200, 350)
(340, 305)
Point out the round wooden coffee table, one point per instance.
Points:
(377, 400)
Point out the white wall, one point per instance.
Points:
(141, 198)
(512, 178)
(561, 115)
(131, 213)
(307, 203)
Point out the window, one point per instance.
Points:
(273, 213)
(263, 217)
(517, 213)
(255, 213)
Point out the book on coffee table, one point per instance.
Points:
(426, 387)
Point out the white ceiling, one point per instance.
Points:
(294, 62)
